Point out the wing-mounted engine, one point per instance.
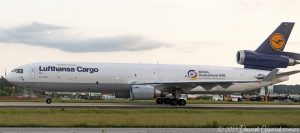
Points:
(143, 92)
(251, 59)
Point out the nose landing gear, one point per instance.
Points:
(48, 100)
(48, 97)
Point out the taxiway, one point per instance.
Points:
(141, 105)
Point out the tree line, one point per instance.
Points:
(8, 89)
(286, 89)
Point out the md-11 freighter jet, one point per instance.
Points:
(149, 81)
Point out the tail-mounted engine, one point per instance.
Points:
(254, 60)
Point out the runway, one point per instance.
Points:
(110, 130)
(141, 105)
(149, 130)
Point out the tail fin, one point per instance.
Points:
(276, 42)
(269, 54)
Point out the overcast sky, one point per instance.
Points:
(207, 32)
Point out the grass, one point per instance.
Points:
(66, 117)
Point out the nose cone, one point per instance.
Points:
(10, 77)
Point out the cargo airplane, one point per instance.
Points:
(149, 81)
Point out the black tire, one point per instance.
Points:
(159, 101)
(181, 102)
(174, 101)
(48, 101)
(167, 100)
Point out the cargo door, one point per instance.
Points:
(33, 73)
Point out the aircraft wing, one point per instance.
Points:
(169, 86)
(172, 86)
(212, 83)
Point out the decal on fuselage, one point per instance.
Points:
(67, 69)
(192, 74)
(204, 74)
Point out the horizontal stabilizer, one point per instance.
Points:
(294, 56)
(271, 75)
(287, 73)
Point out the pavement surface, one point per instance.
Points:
(150, 130)
(140, 105)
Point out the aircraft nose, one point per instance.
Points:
(10, 77)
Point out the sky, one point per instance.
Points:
(198, 32)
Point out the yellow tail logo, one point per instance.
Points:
(277, 41)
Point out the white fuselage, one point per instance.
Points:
(119, 78)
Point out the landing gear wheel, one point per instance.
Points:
(181, 102)
(159, 101)
(174, 101)
(48, 101)
(167, 100)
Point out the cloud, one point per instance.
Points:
(53, 36)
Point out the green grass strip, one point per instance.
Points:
(184, 118)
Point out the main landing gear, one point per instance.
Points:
(171, 101)
(175, 100)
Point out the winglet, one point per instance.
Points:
(271, 75)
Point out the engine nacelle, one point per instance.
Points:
(143, 92)
(252, 59)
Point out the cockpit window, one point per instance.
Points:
(17, 70)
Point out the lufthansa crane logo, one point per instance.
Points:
(277, 41)
(192, 74)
